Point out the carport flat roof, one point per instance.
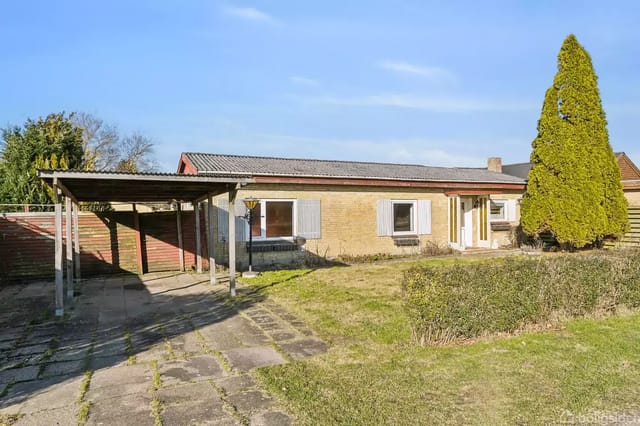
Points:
(140, 187)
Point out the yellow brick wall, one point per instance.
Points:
(505, 238)
(349, 220)
(633, 197)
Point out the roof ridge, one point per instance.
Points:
(517, 164)
(319, 160)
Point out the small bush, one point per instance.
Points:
(435, 248)
(366, 258)
(469, 300)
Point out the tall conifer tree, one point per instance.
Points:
(574, 189)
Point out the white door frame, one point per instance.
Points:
(453, 221)
(466, 231)
(483, 201)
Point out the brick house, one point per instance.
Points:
(331, 208)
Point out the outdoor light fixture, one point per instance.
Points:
(251, 203)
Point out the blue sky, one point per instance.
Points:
(437, 83)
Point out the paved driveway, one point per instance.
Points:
(166, 348)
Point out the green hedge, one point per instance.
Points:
(468, 300)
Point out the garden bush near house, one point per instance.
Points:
(436, 248)
(445, 303)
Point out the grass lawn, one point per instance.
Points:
(373, 375)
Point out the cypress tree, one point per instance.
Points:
(574, 189)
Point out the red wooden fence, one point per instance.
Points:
(107, 243)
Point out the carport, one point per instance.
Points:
(74, 186)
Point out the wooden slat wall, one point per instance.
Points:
(632, 238)
(107, 242)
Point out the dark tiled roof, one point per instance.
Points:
(628, 169)
(269, 166)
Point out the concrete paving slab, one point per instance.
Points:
(19, 374)
(47, 394)
(221, 340)
(201, 391)
(138, 419)
(103, 362)
(23, 360)
(250, 401)
(156, 352)
(117, 390)
(197, 413)
(283, 335)
(106, 347)
(194, 369)
(300, 349)
(71, 353)
(236, 384)
(271, 418)
(6, 344)
(121, 375)
(63, 368)
(253, 339)
(56, 416)
(192, 343)
(109, 411)
(245, 359)
(31, 349)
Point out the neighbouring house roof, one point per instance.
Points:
(628, 169)
(308, 168)
(520, 170)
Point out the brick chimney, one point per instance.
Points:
(494, 164)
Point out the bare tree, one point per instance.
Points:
(100, 142)
(105, 149)
(136, 154)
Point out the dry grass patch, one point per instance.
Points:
(374, 375)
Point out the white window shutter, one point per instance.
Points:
(223, 219)
(424, 217)
(511, 210)
(309, 222)
(385, 218)
(241, 223)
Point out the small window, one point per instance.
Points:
(279, 219)
(404, 217)
(273, 219)
(498, 210)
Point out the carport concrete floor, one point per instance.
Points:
(133, 351)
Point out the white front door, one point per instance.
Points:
(466, 222)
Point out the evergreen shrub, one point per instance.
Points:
(460, 301)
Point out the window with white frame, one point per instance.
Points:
(404, 217)
(498, 210)
(273, 219)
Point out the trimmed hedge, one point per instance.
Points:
(468, 300)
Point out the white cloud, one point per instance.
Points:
(304, 81)
(436, 74)
(249, 14)
(434, 104)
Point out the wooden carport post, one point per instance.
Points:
(211, 241)
(76, 243)
(58, 250)
(69, 246)
(196, 211)
(232, 241)
(179, 228)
